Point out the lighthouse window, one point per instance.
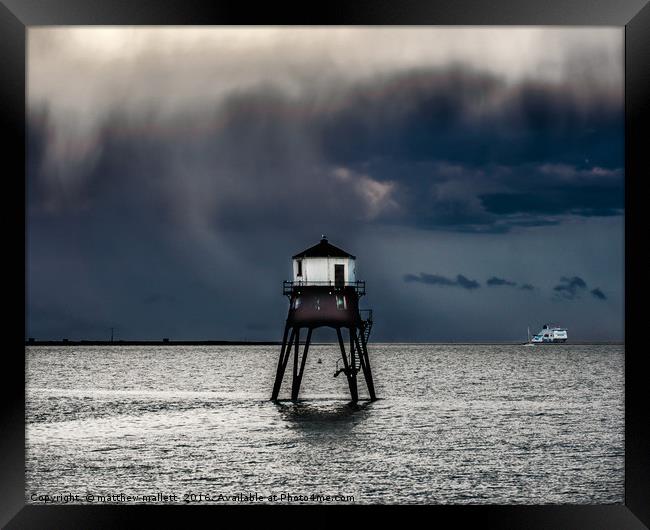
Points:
(299, 267)
(341, 302)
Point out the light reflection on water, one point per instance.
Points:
(454, 424)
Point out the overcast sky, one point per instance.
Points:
(476, 173)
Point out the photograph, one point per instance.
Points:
(331, 265)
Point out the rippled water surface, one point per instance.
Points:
(454, 424)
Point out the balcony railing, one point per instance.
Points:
(289, 286)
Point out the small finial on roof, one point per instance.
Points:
(323, 237)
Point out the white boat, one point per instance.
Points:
(549, 333)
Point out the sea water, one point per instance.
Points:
(454, 424)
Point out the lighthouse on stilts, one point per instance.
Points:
(325, 292)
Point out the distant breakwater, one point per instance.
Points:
(163, 342)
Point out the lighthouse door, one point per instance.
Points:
(339, 275)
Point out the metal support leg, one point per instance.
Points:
(352, 379)
(297, 378)
(285, 351)
(365, 364)
(296, 345)
(352, 353)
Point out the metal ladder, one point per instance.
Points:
(366, 327)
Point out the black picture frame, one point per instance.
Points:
(17, 15)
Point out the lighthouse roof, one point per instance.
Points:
(324, 249)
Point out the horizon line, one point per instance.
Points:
(169, 342)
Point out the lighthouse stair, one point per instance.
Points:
(366, 325)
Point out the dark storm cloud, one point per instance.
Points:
(415, 148)
(466, 283)
(494, 281)
(573, 287)
(570, 287)
(603, 199)
(472, 117)
(436, 279)
(597, 293)
(541, 152)
(232, 179)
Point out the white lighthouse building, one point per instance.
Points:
(324, 264)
